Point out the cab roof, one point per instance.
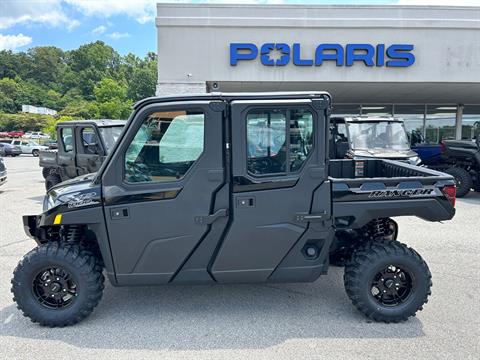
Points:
(236, 96)
(98, 123)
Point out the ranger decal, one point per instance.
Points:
(400, 193)
(78, 199)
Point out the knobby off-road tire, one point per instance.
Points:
(51, 180)
(57, 284)
(387, 281)
(463, 180)
(45, 172)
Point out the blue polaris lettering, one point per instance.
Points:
(366, 55)
(396, 55)
(402, 55)
(285, 51)
(321, 56)
(265, 54)
(242, 51)
(297, 59)
(380, 55)
(266, 49)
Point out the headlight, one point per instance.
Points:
(414, 160)
(48, 203)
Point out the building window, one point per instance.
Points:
(165, 147)
(471, 122)
(377, 110)
(272, 146)
(440, 123)
(413, 117)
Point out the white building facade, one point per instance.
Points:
(418, 63)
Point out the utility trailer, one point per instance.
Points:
(230, 188)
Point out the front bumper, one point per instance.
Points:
(32, 225)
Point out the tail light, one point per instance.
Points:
(450, 192)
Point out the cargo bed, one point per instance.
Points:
(386, 188)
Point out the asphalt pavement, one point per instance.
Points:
(274, 321)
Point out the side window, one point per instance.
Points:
(67, 139)
(301, 137)
(89, 141)
(278, 140)
(166, 145)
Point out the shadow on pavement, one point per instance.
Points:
(38, 199)
(471, 198)
(214, 317)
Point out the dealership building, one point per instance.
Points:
(419, 63)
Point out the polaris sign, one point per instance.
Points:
(395, 55)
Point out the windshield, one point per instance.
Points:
(378, 135)
(110, 135)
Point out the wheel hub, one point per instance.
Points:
(392, 286)
(54, 288)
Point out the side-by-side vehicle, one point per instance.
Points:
(82, 147)
(230, 188)
(370, 137)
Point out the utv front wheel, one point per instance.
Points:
(57, 284)
(387, 281)
(51, 180)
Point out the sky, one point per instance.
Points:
(127, 25)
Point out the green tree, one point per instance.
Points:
(112, 99)
(9, 95)
(142, 83)
(50, 126)
(47, 65)
(89, 64)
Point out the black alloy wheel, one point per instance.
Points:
(387, 281)
(54, 288)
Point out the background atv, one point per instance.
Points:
(82, 148)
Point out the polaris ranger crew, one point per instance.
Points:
(83, 145)
(370, 137)
(230, 188)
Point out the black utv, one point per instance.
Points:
(82, 147)
(230, 188)
(461, 159)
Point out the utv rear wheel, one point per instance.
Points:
(387, 281)
(57, 284)
(463, 180)
(51, 180)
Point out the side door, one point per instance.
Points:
(20, 145)
(164, 192)
(280, 187)
(90, 152)
(66, 152)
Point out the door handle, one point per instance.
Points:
(119, 213)
(210, 219)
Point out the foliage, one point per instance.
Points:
(25, 122)
(51, 123)
(91, 82)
